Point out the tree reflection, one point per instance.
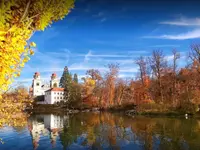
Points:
(114, 131)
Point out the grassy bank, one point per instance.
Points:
(40, 108)
(129, 109)
(154, 109)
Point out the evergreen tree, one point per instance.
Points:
(72, 88)
(75, 78)
(64, 77)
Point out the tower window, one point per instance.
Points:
(55, 85)
(37, 84)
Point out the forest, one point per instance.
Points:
(159, 85)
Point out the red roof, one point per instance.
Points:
(37, 73)
(55, 89)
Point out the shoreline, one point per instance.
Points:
(41, 108)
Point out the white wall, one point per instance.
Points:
(52, 97)
(53, 121)
(47, 97)
(37, 88)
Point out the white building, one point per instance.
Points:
(54, 95)
(46, 93)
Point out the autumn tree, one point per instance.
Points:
(176, 56)
(19, 19)
(158, 65)
(11, 106)
(194, 56)
(142, 68)
(87, 91)
(141, 86)
(110, 80)
(75, 96)
(120, 91)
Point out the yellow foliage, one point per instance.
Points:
(88, 85)
(19, 19)
(12, 106)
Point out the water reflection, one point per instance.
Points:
(105, 131)
(46, 125)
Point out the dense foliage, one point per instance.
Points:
(72, 88)
(19, 19)
(159, 84)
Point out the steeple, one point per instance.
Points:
(36, 75)
(37, 84)
(54, 81)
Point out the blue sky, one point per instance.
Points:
(99, 32)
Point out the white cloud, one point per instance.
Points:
(131, 69)
(165, 45)
(169, 57)
(183, 22)
(87, 56)
(184, 36)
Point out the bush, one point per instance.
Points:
(188, 107)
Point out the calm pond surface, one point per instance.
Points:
(101, 131)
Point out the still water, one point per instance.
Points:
(102, 131)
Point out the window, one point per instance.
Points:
(57, 97)
(54, 92)
(54, 97)
(37, 84)
(60, 97)
(58, 93)
(55, 85)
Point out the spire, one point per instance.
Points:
(36, 75)
(53, 76)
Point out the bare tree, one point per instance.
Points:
(194, 55)
(110, 80)
(176, 56)
(158, 65)
(141, 62)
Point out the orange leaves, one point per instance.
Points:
(32, 44)
(11, 107)
(31, 52)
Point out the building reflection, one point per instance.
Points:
(109, 131)
(46, 125)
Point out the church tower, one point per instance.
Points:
(37, 83)
(54, 81)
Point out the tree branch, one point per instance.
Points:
(26, 10)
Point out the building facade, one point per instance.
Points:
(54, 95)
(45, 93)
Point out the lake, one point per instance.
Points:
(102, 131)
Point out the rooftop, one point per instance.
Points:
(55, 89)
